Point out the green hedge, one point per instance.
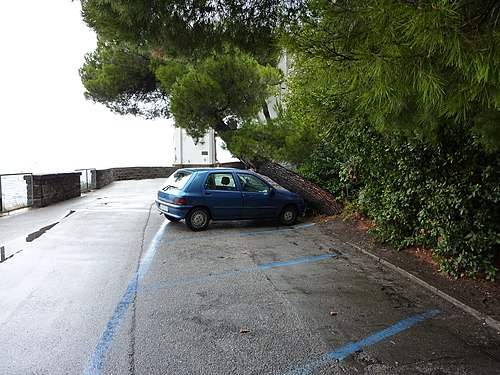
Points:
(444, 196)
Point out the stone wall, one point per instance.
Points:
(106, 176)
(103, 177)
(52, 188)
(142, 173)
(235, 164)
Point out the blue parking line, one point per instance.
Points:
(296, 261)
(98, 357)
(267, 231)
(218, 276)
(342, 353)
(278, 230)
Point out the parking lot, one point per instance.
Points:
(254, 299)
(125, 291)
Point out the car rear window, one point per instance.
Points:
(177, 180)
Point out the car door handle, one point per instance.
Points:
(247, 195)
(206, 193)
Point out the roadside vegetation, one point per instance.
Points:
(391, 107)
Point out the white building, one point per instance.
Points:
(199, 151)
(205, 151)
(274, 101)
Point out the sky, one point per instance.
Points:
(46, 124)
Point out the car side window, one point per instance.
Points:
(220, 181)
(252, 183)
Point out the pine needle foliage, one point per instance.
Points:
(413, 65)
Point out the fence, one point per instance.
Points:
(88, 179)
(16, 191)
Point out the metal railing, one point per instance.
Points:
(88, 180)
(16, 191)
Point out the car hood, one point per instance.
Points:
(287, 193)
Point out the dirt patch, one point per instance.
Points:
(481, 295)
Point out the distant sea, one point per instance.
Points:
(14, 191)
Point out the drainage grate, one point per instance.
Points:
(492, 351)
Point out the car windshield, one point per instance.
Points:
(177, 180)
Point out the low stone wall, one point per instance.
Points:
(106, 176)
(236, 164)
(52, 188)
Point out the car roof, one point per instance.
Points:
(210, 169)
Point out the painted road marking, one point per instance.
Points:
(342, 353)
(98, 357)
(238, 271)
(268, 231)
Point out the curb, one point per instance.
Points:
(488, 320)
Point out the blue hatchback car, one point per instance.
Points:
(199, 195)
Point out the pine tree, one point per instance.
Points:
(412, 66)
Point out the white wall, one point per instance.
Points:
(272, 101)
(204, 151)
(194, 151)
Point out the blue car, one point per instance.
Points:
(200, 195)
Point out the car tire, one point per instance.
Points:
(198, 219)
(288, 215)
(172, 219)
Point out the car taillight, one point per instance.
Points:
(180, 201)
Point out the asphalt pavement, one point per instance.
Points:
(103, 284)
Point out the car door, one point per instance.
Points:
(222, 196)
(258, 200)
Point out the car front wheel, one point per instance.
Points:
(288, 215)
(198, 219)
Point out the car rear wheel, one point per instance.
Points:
(288, 215)
(198, 219)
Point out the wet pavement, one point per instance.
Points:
(114, 288)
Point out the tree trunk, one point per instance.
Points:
(316, 197)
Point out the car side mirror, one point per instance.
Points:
(272, 191)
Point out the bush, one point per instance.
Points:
(444, 196)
